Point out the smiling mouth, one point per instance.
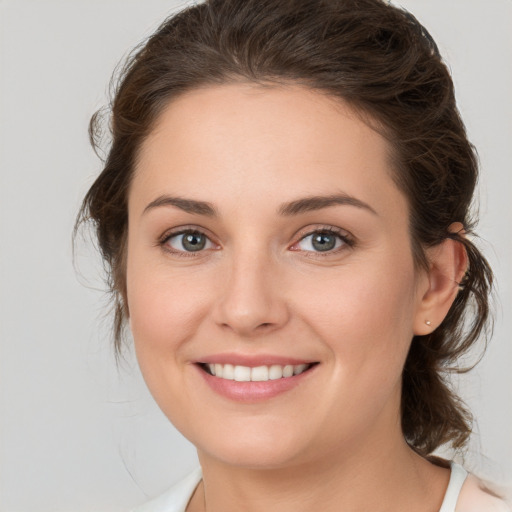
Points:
(240, 373)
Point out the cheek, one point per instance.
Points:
(165, 314)
(365, 321)
(163, 311)
(365, 312)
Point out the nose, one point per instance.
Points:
(251, 300)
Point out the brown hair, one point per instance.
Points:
(380, 60)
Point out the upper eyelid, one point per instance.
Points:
(342, 233)
(182, 230)
(300, 234)
(174, 232)
(344, 236)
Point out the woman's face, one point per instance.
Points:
(266, 233)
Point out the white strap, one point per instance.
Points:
(176, 498)
(457, 478)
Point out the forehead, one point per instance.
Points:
(249, 141)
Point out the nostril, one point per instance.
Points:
(265, 325)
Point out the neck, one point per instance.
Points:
(378, 475)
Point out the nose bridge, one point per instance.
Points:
(250, 300)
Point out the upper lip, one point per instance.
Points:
(253, 360)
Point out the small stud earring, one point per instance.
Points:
(428, 322)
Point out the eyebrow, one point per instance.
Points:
(312, 203)
(303, 205)
(188, 205)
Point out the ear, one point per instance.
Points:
(447, 265)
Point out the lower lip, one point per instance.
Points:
(250, 392)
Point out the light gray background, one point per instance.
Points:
(76, 434)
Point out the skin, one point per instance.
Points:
(334, 442)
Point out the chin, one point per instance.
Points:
(250, 457)
(264, 450)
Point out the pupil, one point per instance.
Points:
(193, 242)
(324, 242)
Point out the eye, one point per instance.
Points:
(325, 240)
(188, 241)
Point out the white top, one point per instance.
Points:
(457, 478)
(177, 497)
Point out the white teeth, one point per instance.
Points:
(228, 371)
(260, 373)
(275, 372)
(288, 370)
(257, 374)
(299, 368)
(242, 374)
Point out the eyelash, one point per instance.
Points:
(163, 242)
(346, 239)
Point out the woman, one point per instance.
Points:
(284, 211)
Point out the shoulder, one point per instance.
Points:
(176, 498)
(476, 496)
